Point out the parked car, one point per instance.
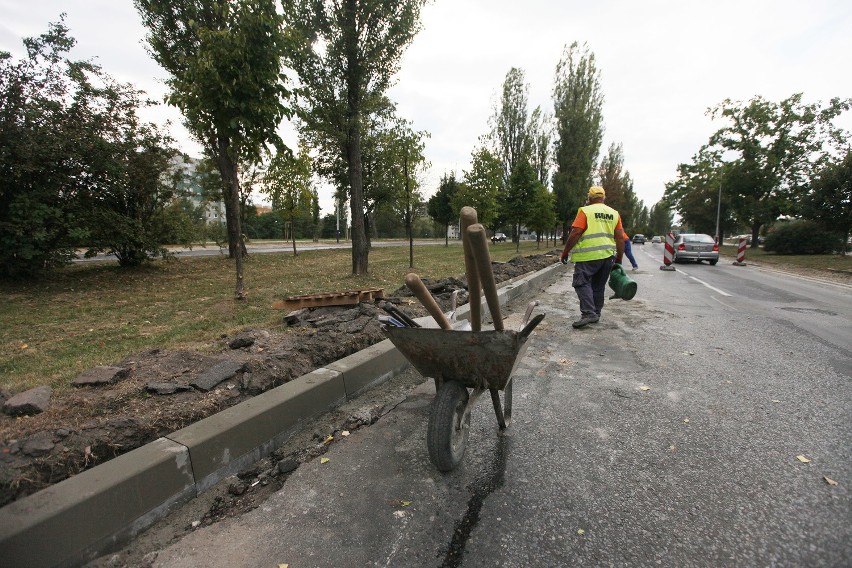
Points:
(498, 238)
(697, 247)
(638, 239)
(656, 239)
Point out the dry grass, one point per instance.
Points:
(97, 314)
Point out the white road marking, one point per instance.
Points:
(718, 291)
(703, 283)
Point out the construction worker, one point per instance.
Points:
(598, 236)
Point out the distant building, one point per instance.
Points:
(189, 187)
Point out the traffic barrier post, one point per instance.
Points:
(668, 253)
(741, 247)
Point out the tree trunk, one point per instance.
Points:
(369, 229)
(236, 246)
(354, 74)
(755, 229)
(447, 235)
(410, 245)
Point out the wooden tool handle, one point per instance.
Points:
(468, 217)
(413, 282)
(478, 243)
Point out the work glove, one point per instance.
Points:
(564, 258)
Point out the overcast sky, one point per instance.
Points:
(662, 63)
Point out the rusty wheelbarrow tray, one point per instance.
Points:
(459, 360)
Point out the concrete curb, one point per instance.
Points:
(97, 510)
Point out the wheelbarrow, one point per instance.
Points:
(464, 364)
(464, 360)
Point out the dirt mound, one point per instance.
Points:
(168, 390)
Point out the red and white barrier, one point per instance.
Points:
(668, 254)
(741, 247)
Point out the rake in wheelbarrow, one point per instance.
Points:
(464, 360)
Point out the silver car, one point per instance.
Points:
(697, 247)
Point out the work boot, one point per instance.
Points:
(585, 320)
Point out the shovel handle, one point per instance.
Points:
(476, 234)
(413, 282)
(467, 218)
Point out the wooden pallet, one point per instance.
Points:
(348, 298)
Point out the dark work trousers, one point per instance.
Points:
(589, 282)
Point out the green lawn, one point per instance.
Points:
(96, 314)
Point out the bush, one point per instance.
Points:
(802, 237)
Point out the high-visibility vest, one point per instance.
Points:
(598, 241)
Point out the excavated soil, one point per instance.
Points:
(86, 426)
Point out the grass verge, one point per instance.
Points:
(96, 314)
(827, 262)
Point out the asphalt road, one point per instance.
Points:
(665, 435)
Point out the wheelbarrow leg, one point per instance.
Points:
(498, 409)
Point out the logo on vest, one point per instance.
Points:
(607, 216)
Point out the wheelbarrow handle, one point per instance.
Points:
(528, 329)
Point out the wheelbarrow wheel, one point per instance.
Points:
(446, 437)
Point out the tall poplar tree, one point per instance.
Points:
(540, 130)
(347, 52)
(616, 180)
(509, 123)
(578, 104)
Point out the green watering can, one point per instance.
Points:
(622, 285)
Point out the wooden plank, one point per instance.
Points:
(347, 298)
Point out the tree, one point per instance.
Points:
(39, 120)
(126, 215)
(695, 193)
(541, 214)
(480, 187)
(516, 202)
(509, 134)
(183, 223)
(346, 54)
(288, 185)
(540, 137)
(315, 214)
(78, 166)
(829, 198)
(619, 187)
(776, 148)
(660, 218)
(406, 151)
(578, 103)
(440, 206)
(224, 58)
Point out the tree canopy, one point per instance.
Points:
(224, 60)
(79, 168)
(829, 197)
(346, 54)
(763, 156)
(481, 187)
(288, 184)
